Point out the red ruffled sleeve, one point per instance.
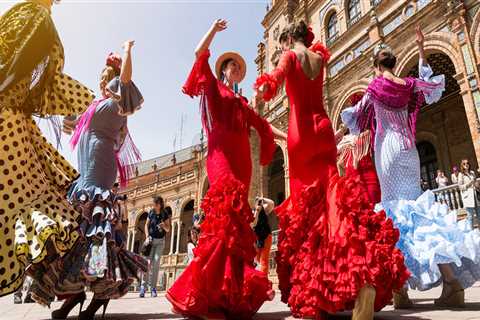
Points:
(319, 48)
(200, 76)
(274, 80)
(267, 143)
(202, 82)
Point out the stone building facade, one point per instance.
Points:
(180, 179)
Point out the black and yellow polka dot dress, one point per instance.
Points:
(36, 221)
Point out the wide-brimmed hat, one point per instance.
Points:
(234, 56)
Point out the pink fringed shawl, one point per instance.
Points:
(395, 98)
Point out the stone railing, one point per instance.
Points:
(160, 185)
(174, 260)
(452, 196)
(449, 195)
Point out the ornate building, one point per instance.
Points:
(180, 179)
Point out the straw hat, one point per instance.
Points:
(234, 56)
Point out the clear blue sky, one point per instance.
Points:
(166, 33)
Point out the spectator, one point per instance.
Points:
(466, 182)
(455, 174)
(156, 227)
(441, 179)
(263, 231)
(192, 243)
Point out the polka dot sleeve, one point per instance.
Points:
(58, 93)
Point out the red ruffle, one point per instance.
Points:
(319, 48)
(197, 79)
(271, 86)
(222, 278)
(347, 247)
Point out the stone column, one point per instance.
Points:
(132, 243)
(468, 78)
(172, 237)
(179, 225)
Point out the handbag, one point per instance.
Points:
(146, 248)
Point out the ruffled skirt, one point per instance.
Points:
(332, 244)
(429, 236)
(221, 279)
(99, 260)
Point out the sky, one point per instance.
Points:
(166, 34)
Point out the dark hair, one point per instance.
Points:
(223, 66)
(116, 185)
(462, 170)
(159, 200)
(297, 30)
(189, 233)
(385, 58)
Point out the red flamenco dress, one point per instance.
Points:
(331, 242)
(222, 280)
(355, 156)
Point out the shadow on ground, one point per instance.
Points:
(131, 316)
(385, 315)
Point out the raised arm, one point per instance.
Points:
(420, 39)
(217, 26)
(431, 86)
(126, 71)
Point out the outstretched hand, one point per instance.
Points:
(219, 25)
(128, 45)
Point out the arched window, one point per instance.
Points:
(332, 26)
(354, 11)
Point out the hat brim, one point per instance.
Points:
(234, 56)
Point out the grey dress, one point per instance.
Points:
(107, 267)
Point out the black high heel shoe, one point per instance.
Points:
(68, 305)
(95, 304)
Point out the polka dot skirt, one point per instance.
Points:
(34, 178)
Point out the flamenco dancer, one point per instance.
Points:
(105, 149)
(355, 157)
(221, 281)
(436, 250)
(335, 252)
(37, 223)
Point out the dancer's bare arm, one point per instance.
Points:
(126, 71)
(217, 26)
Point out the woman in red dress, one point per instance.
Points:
(335, 253)
(221, 281)
(355, 157)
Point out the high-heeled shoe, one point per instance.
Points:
(453, 295)
(95, 304)
(68, 305)
(401, 300)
